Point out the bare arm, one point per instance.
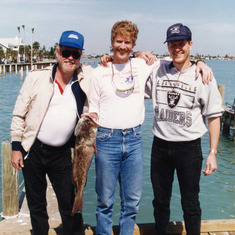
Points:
(205, 70)
(146, 55)
(214, 133)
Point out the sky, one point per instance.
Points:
(212, 22)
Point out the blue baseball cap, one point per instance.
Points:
(178, 32)
(72, 39)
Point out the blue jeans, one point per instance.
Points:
(119, 157)
(186, 159)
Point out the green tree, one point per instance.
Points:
(43, 53)
(36, 47)
(11, 55)
(2, 54)
(21, 51)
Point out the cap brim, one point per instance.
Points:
(178, 38)
(71, 45)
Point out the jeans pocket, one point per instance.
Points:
(103, 135)
(137, 134)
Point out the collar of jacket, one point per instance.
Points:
(79, 94)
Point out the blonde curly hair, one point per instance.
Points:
(125, 28)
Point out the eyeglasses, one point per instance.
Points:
(75, 54)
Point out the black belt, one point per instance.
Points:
(49, 147)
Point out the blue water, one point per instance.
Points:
(217, 194)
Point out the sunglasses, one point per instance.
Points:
(75, 54)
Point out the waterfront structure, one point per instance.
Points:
(12, 43)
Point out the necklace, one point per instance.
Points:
(124, 84)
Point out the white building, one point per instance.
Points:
(13, 43)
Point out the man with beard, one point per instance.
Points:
(49, 104)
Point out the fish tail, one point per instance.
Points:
(77, 204)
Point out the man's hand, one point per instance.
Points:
(94, 116)
(211, 164)
(205, 70)
(147, 56)
(17, 160)
(104, 60)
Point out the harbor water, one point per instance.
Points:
(217, 194)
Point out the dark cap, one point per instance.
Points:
(178, 32)
(72, 39)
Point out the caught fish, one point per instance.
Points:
(85, 132)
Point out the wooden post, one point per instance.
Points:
(16, 70)
(10, 183)
(4, 70)
(22, 73)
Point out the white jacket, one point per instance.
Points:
(33, 101)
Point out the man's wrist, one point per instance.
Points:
(16, 145)
(213, 151)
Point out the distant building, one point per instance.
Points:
(13, 43)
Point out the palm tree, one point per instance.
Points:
(36, 46)
(2, 54)
(23, 26)
(18, 28)
(21, 51)
(27, 53)
(11, 55)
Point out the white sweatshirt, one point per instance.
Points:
(181, 107)
(115, 109)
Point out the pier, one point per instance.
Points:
(228, 120)
(16, 218)
(18, 68)
(228, 117)
(16, 215)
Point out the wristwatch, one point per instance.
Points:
(213, 151)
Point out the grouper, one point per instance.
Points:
(85, 133)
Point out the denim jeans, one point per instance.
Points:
(56, 163)
(186, 159)
(119, 157)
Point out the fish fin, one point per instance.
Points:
(77, 205)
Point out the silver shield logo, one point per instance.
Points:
(173, 98)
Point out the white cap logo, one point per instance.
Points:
(175, 29)
(73, 36)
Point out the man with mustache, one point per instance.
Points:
(46, 111)
(117, 98)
